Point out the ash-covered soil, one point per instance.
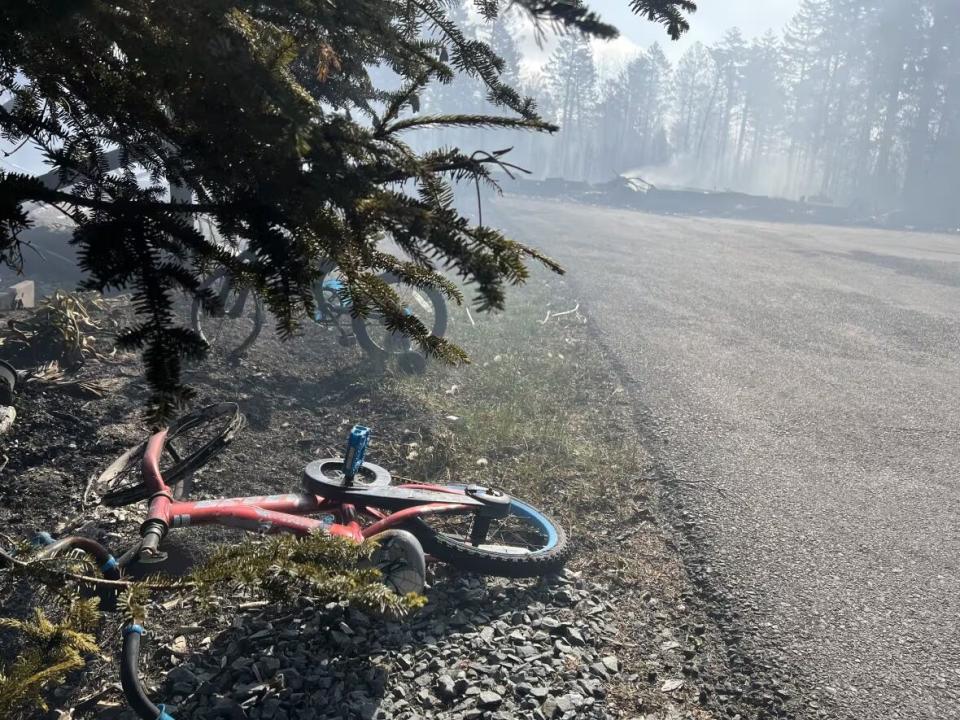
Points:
(298, 397)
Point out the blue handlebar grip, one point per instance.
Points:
(357, 442)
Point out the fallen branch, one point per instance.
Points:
(52, 374)
(93, 699)
(88, 579)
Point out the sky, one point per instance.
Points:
(712, 19)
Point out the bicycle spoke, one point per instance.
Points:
(169, 447)
(510, 533)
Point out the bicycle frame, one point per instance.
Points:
(287, 512)
(327, 313)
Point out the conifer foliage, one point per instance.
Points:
(264, 117)
(50, 651)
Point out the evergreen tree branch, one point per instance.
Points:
(669, 13)
(475, 121)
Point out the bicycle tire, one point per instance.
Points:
(196, 315)
(178, 475)
(361, 326)
(482, 560)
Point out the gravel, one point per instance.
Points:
(485, 649)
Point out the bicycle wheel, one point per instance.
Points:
(525, 543)
(427, 304)
(399, 558)
(192, 441)
(233, 327)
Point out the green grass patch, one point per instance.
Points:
(537, 413)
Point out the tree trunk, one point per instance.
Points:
(914, 185)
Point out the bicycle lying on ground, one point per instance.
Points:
(237, 324)
(475, 528)
(471, 527)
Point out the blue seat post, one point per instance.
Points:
(357, 442)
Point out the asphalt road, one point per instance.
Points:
(805, 385)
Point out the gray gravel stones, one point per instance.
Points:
(489, 699)
(482, 649)
(558, 707)
(611, 664)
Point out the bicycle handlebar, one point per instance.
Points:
(130, 677)
(105, 560)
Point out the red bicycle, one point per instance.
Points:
(478, 529)
(475, 528)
